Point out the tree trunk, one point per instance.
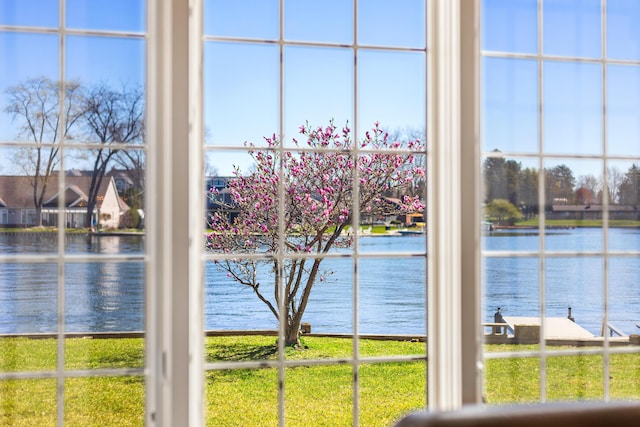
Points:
(292, 333)
(39, 215)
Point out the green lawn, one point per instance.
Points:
(319, 395)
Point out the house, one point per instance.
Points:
(17, 207)
(125, 179)
(593, 211)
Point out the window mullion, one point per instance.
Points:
(444, 212)
(472, 339)
(174, 338)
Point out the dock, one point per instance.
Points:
(554, 327)
(557, 331)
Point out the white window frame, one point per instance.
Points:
(175, 356)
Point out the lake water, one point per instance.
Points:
(109, 296)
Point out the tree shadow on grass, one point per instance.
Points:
(239, 351)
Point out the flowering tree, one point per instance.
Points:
(318, 197)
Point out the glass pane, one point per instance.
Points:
(221, 165)
(241, 396)
(319, 395)
(395, 305)
(231, 305)
(511, 287)
(104, 194)
(240, 98)
(28, 402)
(616, 176)
(25, 352)
(105, 113)
(327, 21)
(28, 63)
(622, 237)
(572, 28)
(29, 292)
(391, 390)
(510, 201)
(623, 369)
(399, 23)
(111, 400)
(21, 12)
(572, 108)
(574, 198)
(624, 283)
(109, 352)
(513, 380)
(394, 235)
(241, 18)
(496, 237)
(106, 296)
(111, 63)
(392, 91)
(624, 188)
(577, 283)
(330, 308)
(510, 26)
(509, 104)
(575, 377)
(315, 95)
(111, 15)
(24, 215)
(623, 106)
(623, 33)
(8, 166)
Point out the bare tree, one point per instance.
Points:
(591, 183)
(615, 178)
(112, 117)
(35, 104)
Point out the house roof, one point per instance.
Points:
(17, 191)
(593, 207)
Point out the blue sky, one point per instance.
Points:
(242, 78)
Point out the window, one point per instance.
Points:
(556, 141)
(278, 70)
(548, 84)
(73, 95)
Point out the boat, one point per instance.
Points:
(417, 230)
(410, 232)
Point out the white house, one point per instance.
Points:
(17, 207)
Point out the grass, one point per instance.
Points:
(318, 395)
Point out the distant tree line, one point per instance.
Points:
(103, 117)
(506, 179)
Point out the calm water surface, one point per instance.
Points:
(109, 296)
